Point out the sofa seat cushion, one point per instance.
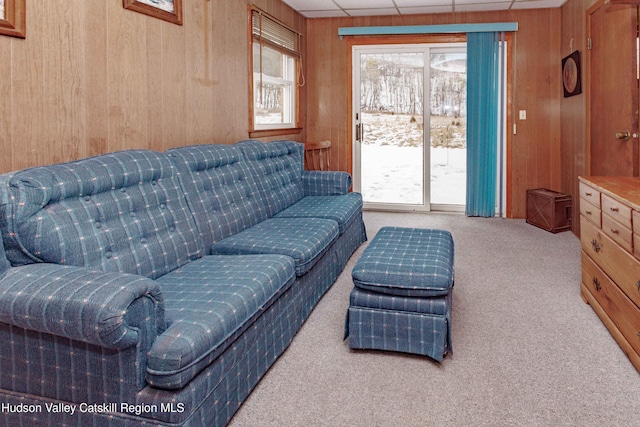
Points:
(343, 209)
(303, 239)
(209, 303)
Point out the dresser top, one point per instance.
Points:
(625, 189)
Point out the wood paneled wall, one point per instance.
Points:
(534, 150)
(92, 77)
(573, 113)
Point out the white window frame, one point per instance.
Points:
(267, 32)
(289, 98)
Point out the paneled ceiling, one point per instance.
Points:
(339, 8)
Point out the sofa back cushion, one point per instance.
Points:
(5, 199)
(4, 263)
(277, 167)
(220, 190)
(121, 211)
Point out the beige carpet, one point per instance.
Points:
(527, 350)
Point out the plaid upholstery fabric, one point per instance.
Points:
(326, 183)
(48, 368)
(52, 365)
(277, 168)
(220, 190)
(84, 305)
(401, 300)
(402, 331)
(407, 261)
(210, 398)
(4, 263)
(217, 392)
(213, 396)
(37, 366)
(343, 209)
(115, 212)
(353, 237)
(303, 239)
(432, 305)
(210, 302)
(4, 202)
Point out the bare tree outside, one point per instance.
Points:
(392, 108)
(394, 85)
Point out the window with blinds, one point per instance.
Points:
(275, 62)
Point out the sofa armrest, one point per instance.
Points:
(326, 183)
(81, 304)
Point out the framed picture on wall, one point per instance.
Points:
(571, 75)
(13, 18)
(169, 10)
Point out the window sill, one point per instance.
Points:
(273, 132)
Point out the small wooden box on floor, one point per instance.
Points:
(610, 239)
(549, 210)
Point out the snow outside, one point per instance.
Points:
(392, 150)
(392, 156)
(392, 153)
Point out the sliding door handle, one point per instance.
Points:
(359, 132)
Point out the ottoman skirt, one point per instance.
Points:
(401, 300)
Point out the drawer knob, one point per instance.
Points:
(596, 245)
(614, 209)
(615, 231)
(588, 212)
(596, 283)
(638, 285)
(588, 194)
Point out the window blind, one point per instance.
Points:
(267, 30)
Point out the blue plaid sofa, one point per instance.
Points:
(147, 288)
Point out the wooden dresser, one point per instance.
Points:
(610, 237)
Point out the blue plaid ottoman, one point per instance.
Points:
(401, 300)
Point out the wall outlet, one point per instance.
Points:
(523, 114)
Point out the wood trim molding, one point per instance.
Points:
(273, 132)
(174, 17)
(13, 23)
(586, 74)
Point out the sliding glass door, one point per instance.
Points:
(410, 126)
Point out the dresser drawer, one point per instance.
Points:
(621, 234)
(635, 219)
(620, 309)
(591, 212)
(622, 267)
(589, 194)
(619, 211)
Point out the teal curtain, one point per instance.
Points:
(483, 102)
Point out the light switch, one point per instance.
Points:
(523, 114)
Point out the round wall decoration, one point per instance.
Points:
(571, 74)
